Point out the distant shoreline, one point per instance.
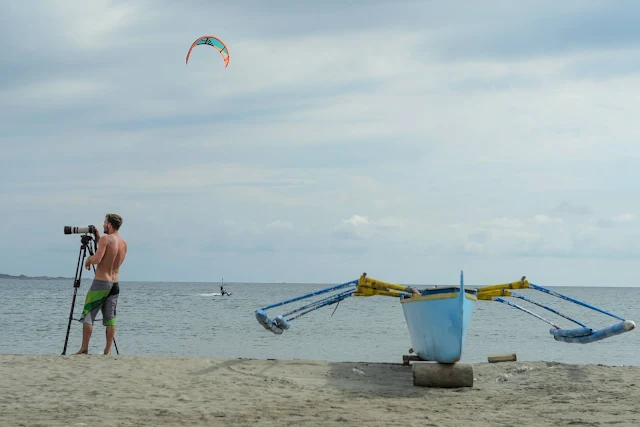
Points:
(23, 277)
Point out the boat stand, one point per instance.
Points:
(407, 359)
(442, 375)
(438, 375)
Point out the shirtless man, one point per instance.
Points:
(103, 294)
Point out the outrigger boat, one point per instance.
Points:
(438, 317)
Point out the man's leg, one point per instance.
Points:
(96, 296)
(87, 329)
(109, 316)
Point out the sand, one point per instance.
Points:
(192, 391)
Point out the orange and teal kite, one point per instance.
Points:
(211, 41)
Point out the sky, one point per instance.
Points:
(410, 140)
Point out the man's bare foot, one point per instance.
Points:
(83, 351)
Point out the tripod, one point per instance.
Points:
(85, 241)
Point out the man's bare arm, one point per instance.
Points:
(102, 248)
(124, 255)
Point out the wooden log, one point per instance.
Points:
(502, 358)
(441, 375)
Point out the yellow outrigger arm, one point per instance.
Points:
(368, 287)
(502, 290)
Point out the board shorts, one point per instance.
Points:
(102, 296)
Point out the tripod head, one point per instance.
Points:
(85, 245)
(86, 239)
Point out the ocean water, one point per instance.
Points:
(179, 319)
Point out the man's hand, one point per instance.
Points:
(87, 263)
(96, 233)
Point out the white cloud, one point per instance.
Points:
(504, 222)
(544, 219)
(95, 24)
(625, 217)
(280, 225)
(389, 222)
(356, 220)
(55, 93)
(514, 141)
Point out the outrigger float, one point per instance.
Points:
(438, 317)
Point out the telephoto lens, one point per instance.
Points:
(78, 230)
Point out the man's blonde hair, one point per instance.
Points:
(115, 220)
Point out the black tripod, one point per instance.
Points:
(86, 240)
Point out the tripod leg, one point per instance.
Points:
(114, 338)
(76, 285)
(66, 340)
(115, 309)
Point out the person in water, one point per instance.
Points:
(103, 294)
(223, 291)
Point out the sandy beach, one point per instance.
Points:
(161, 391)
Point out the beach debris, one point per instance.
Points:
(358, 371)
(518, 370)
(503, 377)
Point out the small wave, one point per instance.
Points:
(210, 295)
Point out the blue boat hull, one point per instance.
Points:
(438, 320)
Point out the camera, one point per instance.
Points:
(79, 230)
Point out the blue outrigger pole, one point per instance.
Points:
(581, 335)
(278, 324)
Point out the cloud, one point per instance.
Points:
(616, 220)
(625, 217)
(345, 135)
(569, 208)
(356, 220)
(280, 225)
(384, 231)
(544, 219)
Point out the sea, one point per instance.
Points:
(186, 319)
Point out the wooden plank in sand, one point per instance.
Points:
(502, 358)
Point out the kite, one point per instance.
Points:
(211, 41)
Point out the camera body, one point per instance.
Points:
(90, 229)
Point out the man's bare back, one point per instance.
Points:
(112, 250)
(109, 266)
